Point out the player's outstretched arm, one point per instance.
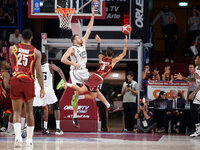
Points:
(6, 79)
(121, 56)
(39, 74)
(65, 60)
(57, 69)
(100, 53)
(89, 27)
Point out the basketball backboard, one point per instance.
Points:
(46, 8)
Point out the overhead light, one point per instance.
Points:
(115, 75)
(41, 3)
(183, 4)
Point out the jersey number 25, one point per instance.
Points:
(22, 59)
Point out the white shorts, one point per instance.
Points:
(49, 98)
(197, 98)
(79, 75)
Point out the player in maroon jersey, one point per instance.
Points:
(24, 59)
(5, 101)
(106, 64)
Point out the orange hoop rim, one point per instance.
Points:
(65, 11)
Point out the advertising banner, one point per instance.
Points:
(154, 88)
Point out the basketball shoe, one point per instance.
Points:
(29, 143)
(74, 100)
(46, 131)
(60, 85)
(197, 132)
(18, 142)
(59, 132)
(75, 123)
(113, 109)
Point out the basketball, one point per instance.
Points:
(126, 29)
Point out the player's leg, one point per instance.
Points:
(81, 90)
(10, 123)
(17, 108)
(92, 96)
(195, 119)
(101, 97)
(29, 121)
(23, 117)
(45, 118)
(57, 117)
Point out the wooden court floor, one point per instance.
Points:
(105, 141)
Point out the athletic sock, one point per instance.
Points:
(81, 97)
(23, 122)
(107, 104)
(75, 115)
(10, 125)
(30, 132)
(17, 129)
(45, 124)
(69, 84)
(57, 124)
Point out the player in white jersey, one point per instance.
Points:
(50, 96)
(195, 95)
(78, 71)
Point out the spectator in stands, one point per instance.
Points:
(194, 26)
(161, 101)
(146, 74)
(195, 47)
(168, 76)
(145, 117)
(155, 74)
(5, 17)
(170, 35)
(129, 92)
(15, 38)
(175, 113)
(160, 105)
(164, 15)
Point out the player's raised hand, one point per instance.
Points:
(126, 38)
(93, 12)
(98, 39)
(42, 93)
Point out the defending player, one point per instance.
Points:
(106, 64)
(78, 71)
(50, 96)
(25, 59)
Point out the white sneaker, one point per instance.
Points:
(59, 132)
(3, 129)
(197, 132)
(29, 143)
(18, 142)
(166, 60)
(172, 61)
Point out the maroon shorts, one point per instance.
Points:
(6, 104)
(93, 82)
(21, 90)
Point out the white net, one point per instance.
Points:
(65, 16)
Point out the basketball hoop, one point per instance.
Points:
(65, 16)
